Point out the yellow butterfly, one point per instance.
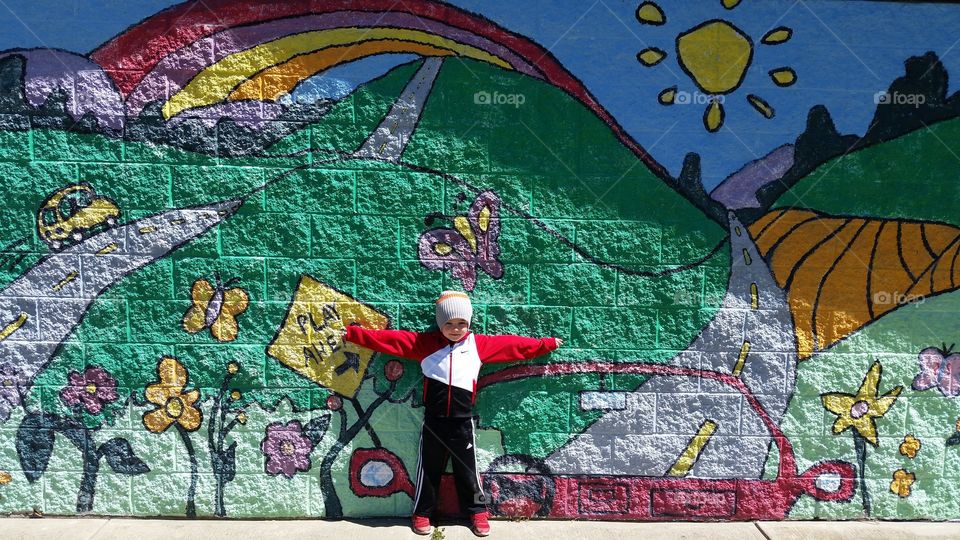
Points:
(216, 308)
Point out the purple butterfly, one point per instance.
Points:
(939, 368)
(471, 243)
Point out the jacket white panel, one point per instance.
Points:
(465, 360)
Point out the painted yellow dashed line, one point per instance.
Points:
(13, 327)
(63, 282)
(746, 257)
(382, 146)
(148, 229)
(178, 221)
(109, 248)
(754, 297)
(742, 359)
(738, 231)
(693, 450)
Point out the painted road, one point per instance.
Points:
(41, 308)
(700, 428)
(391, 137)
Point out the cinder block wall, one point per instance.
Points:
(190, 218)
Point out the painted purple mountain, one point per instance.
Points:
(739, 190)
(86, 86)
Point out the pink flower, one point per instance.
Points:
(287, 449)
(92, 389)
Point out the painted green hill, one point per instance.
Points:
(913, 176)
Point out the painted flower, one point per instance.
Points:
(173, 404)
(902, 480)
(334, 403)
(860, 411)
(938, 368)
(287, 449)
(92, 389)
(5, 478)
(393, 370)
(12, 389)
(910, 446)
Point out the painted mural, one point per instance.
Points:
(736, 216)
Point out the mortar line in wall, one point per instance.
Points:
(356, 195)
(309, 236)
(397, 240)
(355, 277)
(129, 333)
(265, 283)
(656, 330)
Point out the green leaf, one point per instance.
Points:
(121, 458)
(35, 438)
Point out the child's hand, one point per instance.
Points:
(559, 342)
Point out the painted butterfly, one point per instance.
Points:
(939, 368)
(216, 307)
(472, 242)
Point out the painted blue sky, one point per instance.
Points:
(843, 52)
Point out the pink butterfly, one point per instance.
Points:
(472, 242)
(939, 368)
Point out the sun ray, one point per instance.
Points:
(713, 116)
(783, 76)
(761, 106)
(650, 13)
(651, 56)
(667, 96)
(778, 35)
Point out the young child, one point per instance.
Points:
(450, 359)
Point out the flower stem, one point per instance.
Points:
(191, 493)
(860, 444)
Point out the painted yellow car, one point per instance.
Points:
(73, 213)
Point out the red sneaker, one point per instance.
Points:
(479, 524)
(421, 525)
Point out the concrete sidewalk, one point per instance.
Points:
(384, 529)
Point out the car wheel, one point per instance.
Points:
(111, 221)
(519, 494)
(55, 244)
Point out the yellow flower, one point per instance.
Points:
(910, 446)
(173, 404)
(235, 395)
(860, 411)
(902, 480)
(242, 418)
(233, 368)
(5, 478)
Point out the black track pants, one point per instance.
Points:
(442, 438)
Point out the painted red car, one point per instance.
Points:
(537, 492)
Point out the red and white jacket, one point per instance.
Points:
(450, 368)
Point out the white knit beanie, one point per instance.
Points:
(453, 305)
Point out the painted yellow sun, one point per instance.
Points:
(716, 55)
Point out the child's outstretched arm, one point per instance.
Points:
(509, 348)
(400, 343)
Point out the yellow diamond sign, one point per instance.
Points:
(309, 340)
